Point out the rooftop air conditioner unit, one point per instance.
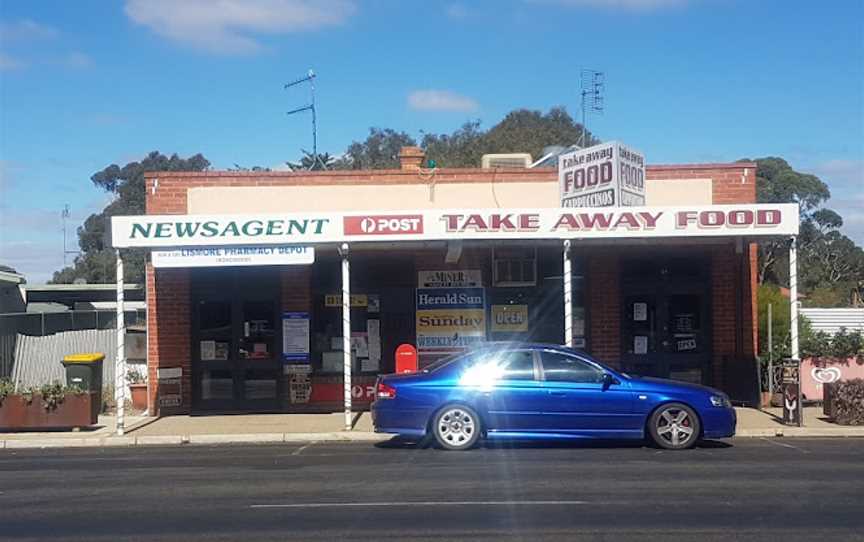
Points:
(512, 160)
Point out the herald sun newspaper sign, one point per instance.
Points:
(747, 220)
(606, 175)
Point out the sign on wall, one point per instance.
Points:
(509, 318)
(234, 256)
(454, 278)
(450, 318)
(606, 175)
(295, 336)
(174, 231)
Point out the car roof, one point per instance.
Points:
(518, 345)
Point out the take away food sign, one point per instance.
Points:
(748, 220)
(606, 175)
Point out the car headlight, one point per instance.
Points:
(720, 401)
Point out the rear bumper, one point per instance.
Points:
(388, 417)
(719, 423)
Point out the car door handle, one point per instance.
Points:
(557, 393)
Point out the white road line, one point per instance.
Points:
(299, 450)
(417, 504)
(784, 445)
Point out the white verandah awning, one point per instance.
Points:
(565, 227)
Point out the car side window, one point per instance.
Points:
(514, 365)
(558, 367)
(519, 366)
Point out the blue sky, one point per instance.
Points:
(88, 83)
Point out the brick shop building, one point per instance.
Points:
(245, 281)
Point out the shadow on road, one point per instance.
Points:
(401, 443)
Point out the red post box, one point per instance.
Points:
(406, 359)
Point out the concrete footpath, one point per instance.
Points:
(293, 428)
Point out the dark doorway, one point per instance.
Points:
(665, 329)
(236, 339)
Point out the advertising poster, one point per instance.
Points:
(295, 337)
(450, 318)
(605, 175)
(509, 318)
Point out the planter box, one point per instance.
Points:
(138, 393)
(74, 411)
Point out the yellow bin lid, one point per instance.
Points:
(91, 357)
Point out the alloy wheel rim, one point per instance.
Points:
(675, 426)
(456, 427)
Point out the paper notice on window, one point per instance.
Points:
(373, 330)
(208, 350)
(640, 312)
(640, 344)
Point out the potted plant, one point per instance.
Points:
(49, 406)
(137, 390)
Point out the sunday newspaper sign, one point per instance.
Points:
(748, 220)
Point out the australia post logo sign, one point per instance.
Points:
(383, 225)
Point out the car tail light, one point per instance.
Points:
(384, 391)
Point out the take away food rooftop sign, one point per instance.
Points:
(605, 175)
(429, 225)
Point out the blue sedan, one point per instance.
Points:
(540, 391)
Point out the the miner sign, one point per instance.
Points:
(605, 175)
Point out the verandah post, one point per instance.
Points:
(346, 332)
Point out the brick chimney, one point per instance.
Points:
(411, 158)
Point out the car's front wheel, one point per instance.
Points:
(456, 427)
(674, 426)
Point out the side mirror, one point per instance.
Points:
(608, 380)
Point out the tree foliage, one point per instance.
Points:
(828, 262)
(96, 262)
(521, 130)
(380, 150)
(312, 162)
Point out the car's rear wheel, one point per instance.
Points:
(674, 426)
(456, 427)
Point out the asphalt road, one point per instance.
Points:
(755, 489)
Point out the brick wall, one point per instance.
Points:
(168, 332)
(169, 297)
(604, 306)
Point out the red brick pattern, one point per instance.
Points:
(168, 332)
(168, 292)
(604, 306)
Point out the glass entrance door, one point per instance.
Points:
(236, 340)
(665, 331)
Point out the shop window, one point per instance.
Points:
(514, 266)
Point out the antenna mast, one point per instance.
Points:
(593, 83)
(310, 78)
(64, 214)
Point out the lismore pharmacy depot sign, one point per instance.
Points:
(162, 231)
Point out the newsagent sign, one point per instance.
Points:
(749, 220)
(606, 175)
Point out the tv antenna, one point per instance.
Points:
(64, 214)
(593, 83)
(310, 78)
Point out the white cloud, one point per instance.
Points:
(25, 30)
(628, 5)
(77, 60)
(9, 63)
(231, 26)
(456, 11)
(440, 100)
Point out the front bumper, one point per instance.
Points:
(719, 422)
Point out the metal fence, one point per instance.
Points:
(48, 323)
(37, 359)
